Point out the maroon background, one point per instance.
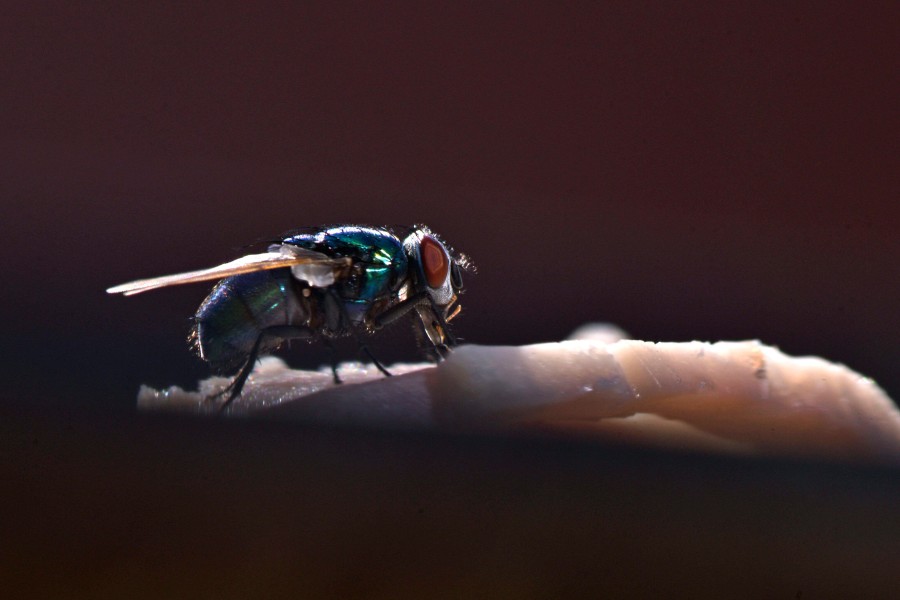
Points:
(687, 173)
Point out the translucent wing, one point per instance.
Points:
(315, 267)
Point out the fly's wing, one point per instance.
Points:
(316, 268)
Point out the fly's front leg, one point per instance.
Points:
(283, 332)
(399, 310)
(435, 329)
(449, 339)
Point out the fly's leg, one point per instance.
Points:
(436, 355)
(374, 360)
(237, 384)
(350, 327)
(442, 351)
(334, 363)
(399, 310)
(439, 321)
(435, 330)
(437, 326)
(284, 332)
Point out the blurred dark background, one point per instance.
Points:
(686, 172)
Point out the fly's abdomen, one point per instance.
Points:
(238, 309)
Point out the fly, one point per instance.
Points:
(321, 283)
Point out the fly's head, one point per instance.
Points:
(436, 272)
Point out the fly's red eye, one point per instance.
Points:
(435, 262)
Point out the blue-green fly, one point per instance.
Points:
(321, 283)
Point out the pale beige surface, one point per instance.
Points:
(731, 396)
(734, 397)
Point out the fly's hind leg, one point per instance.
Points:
(283, 332)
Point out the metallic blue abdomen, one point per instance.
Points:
(238, 308)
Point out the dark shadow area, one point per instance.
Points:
(110, 506)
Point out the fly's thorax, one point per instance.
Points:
(333, 316)
(369, 282)
(374, 248)
(377, 267)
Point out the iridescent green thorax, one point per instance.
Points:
(380, 255)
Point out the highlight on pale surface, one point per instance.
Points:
(733, 397)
